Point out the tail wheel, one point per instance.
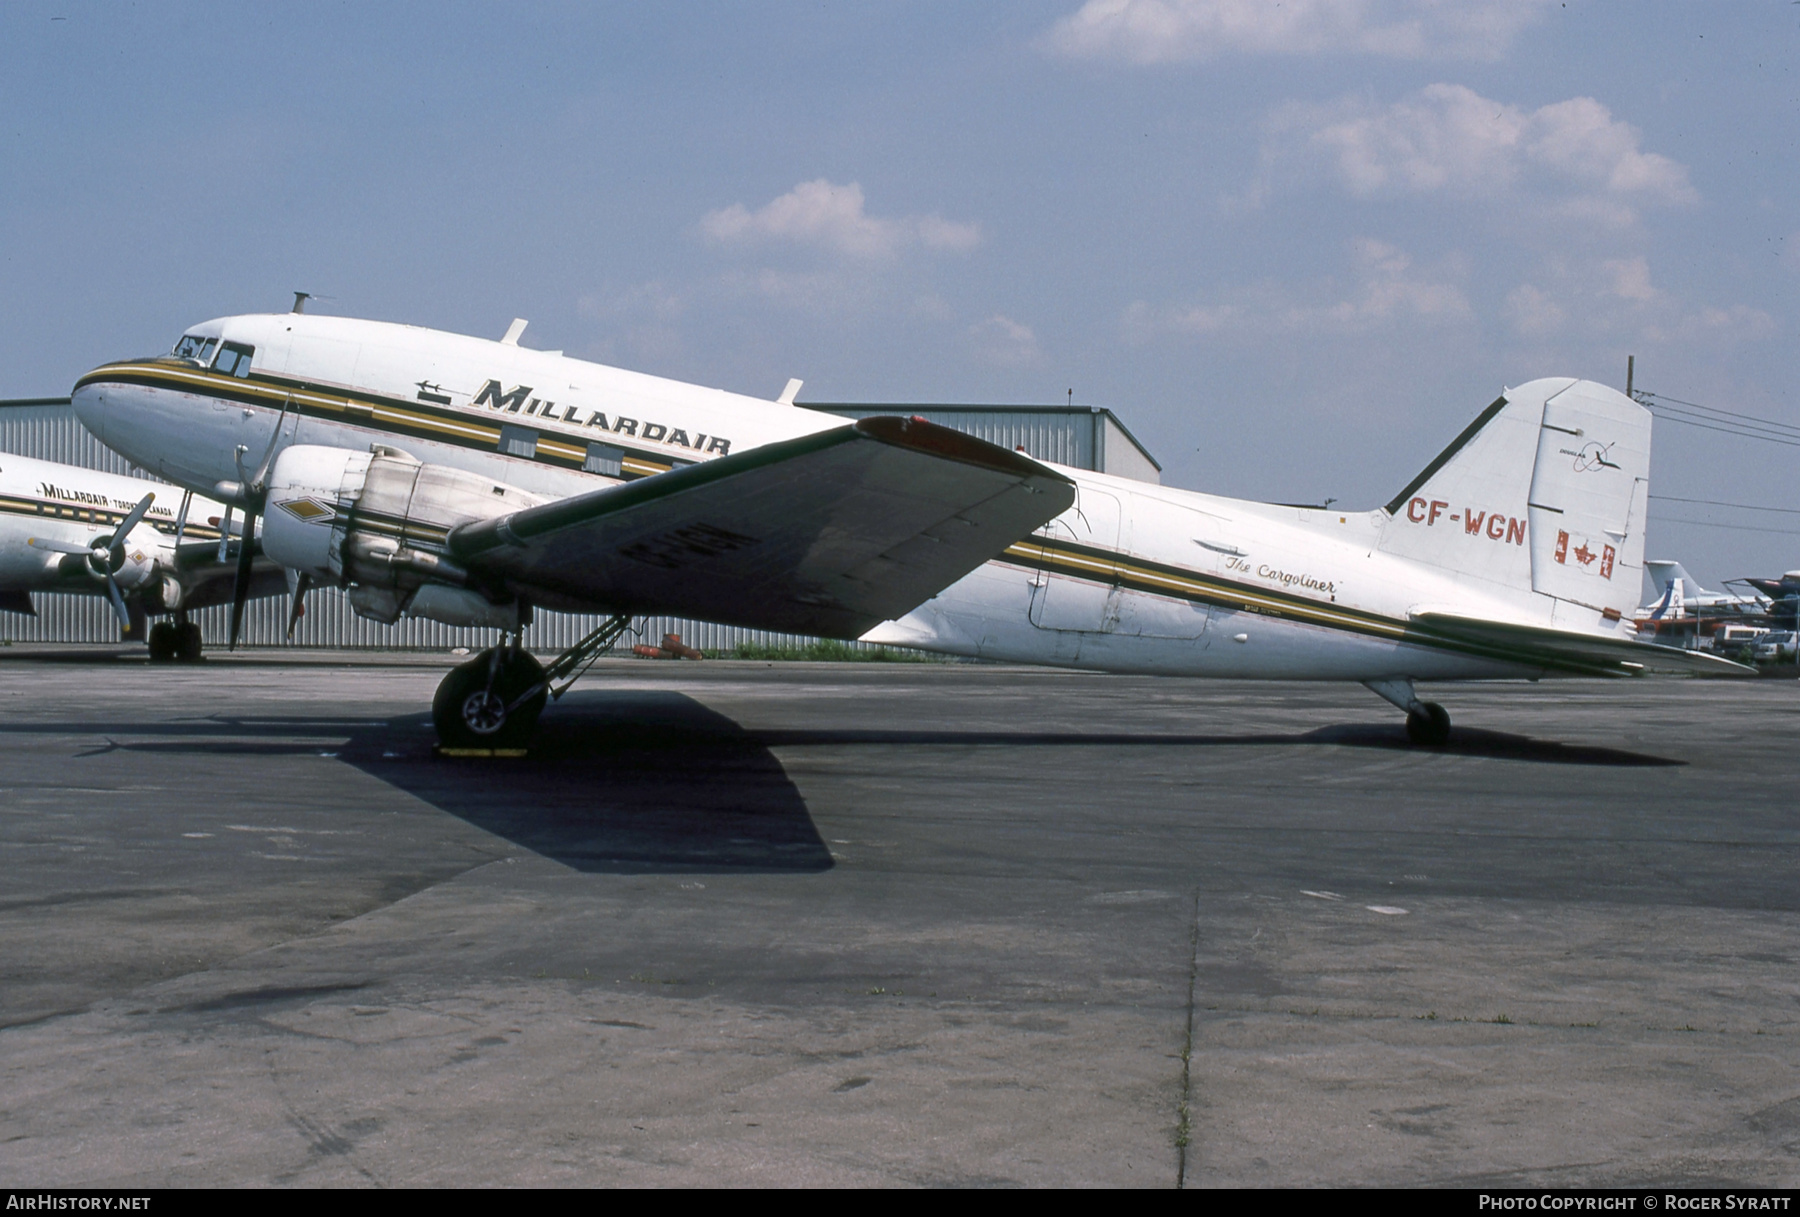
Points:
(1431, 728)
(483, 705)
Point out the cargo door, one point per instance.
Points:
(1081, 549)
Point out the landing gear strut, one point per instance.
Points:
(1427, 723)
(493, 700)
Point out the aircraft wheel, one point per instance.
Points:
(186, 638)
(1430, 729)
(469, 714)
(162, 642)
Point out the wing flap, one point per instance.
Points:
(1565, 650)
(827, 534)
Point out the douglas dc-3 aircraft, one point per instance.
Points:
(468, 480)
(472, 481)
(68, 529)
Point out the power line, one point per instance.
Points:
(1791, 532)
(1694, 405)
(1725, 422)
(1669, 498)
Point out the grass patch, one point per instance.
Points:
(828, 650)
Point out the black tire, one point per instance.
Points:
(162, 642)
(187, 642)
(469, 714)
(1430, 729)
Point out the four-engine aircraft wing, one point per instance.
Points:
(826, 534)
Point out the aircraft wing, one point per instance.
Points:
(826, 534)
(1567, 651)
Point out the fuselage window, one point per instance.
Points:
(234, 359)
(604, 459)
(518, 441)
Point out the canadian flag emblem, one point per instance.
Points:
(1580, 552)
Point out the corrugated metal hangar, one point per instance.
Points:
(1084, 437)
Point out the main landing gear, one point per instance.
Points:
(493, 701)
(175, 641)
(1427, 723)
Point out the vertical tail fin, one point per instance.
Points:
(1544, 493)
(1662, 572)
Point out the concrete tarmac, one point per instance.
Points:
(891, 924)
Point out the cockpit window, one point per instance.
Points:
(234, 359)
(188, 347)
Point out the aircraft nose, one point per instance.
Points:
(89, 402)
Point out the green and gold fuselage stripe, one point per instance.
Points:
(53, 509)
(1115, 569)
(392, 415)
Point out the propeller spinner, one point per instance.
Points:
(105, 555)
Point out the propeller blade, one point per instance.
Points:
(302, 585)
(116, 551)
(240, 592)
(261, 480)
(225, 535)
(135, 518)
(118, 602)
(58, 547)
(187, 500)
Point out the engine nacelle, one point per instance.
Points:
(378, 523)
(144, 552)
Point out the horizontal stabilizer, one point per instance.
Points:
(826, 534)
(1568, 651)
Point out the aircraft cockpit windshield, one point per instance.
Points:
(231, 358)
(196, 348)
(234, 359)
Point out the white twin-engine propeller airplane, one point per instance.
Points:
(468, 480)
(68, 529)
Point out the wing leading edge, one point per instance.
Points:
(827, 534)
(1564, 650)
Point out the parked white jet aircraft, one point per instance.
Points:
(68, 529)
(467, 481)
(1678, 593)
(1517, 553)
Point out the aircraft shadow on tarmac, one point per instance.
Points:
(1466, 741)
(632, 783)
(638, 783)
(650, 781)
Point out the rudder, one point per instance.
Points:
(1544, 493)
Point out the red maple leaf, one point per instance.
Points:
(1584, 555)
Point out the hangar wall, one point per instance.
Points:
(47, 429)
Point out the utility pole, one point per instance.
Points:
(1630, 374)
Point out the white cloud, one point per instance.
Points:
(1387, 292)
(1170, 31)
(821, 215)
(1003, 341)
(1532, 312)
(1583, 300)
(1629, 278)
(1448, 139)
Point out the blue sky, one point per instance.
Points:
(1296, 247)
